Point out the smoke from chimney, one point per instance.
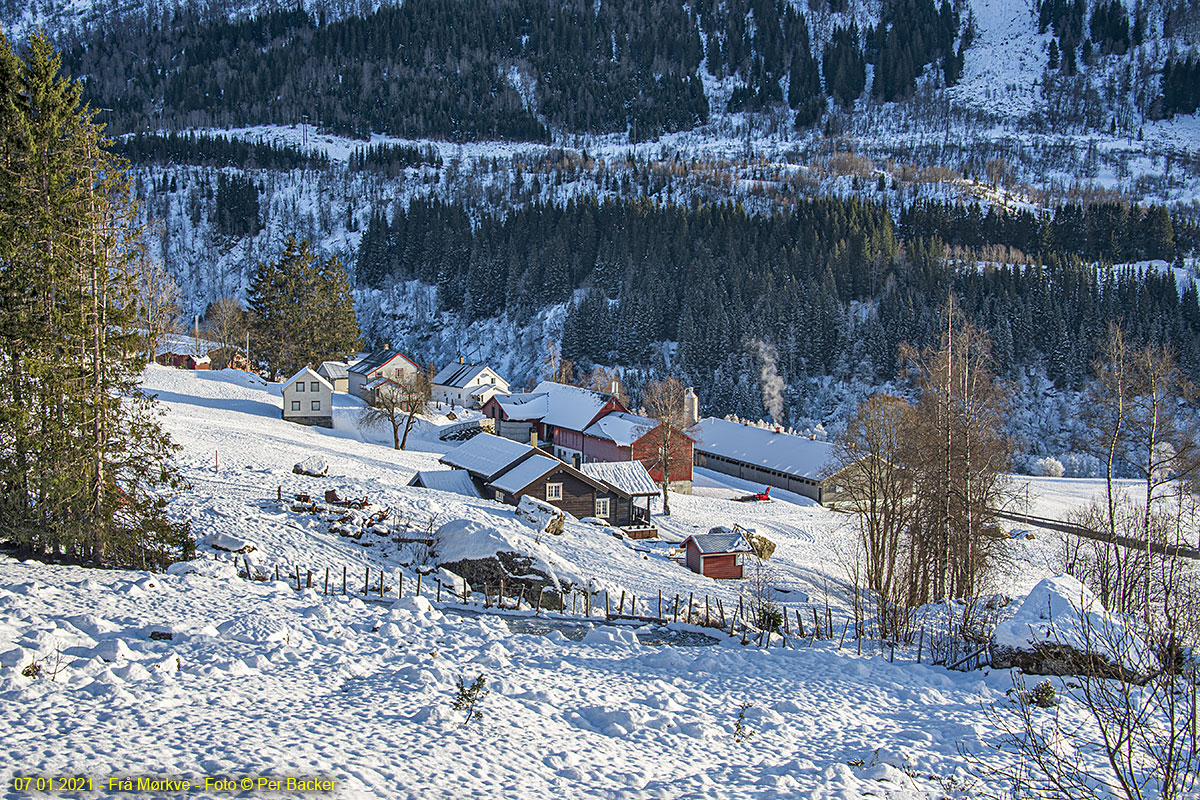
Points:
(770, 383)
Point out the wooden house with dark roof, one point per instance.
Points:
(375, 369)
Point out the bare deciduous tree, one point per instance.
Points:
(158, 309)
(226, 323)
(958, 455)
(663, 401)
(400, 402)
(877, 489)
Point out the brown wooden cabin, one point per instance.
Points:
(545, 478)
(717, 554)
(183, 360)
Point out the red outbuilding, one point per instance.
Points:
(717, 554)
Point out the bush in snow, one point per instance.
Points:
(1042, 695)
(468, 698)
(1048, 467)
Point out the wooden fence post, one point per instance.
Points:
(297, 577)
(367, 582)
(843, 639)
(799, 625)
(607, 612)
(277, 573)
(675, 613)
(327, 580)
(343, 579)
(439, 591)
(419, 576)
(660, 616)
(721, 611)
(401, 582)
(381, 573)
(816, 623)
(621, 608)
(688, 618)
(308, 580)
(706, 614)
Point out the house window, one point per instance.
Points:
(299, 386)
(316, 405)
(602, 507)
(295, 405)
(312, 387)
(499, 496)
(554, 491)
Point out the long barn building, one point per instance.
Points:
(795, 463)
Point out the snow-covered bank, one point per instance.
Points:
(260, 679)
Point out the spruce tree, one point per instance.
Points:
(301, 310)
(83, 460)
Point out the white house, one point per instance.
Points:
(308, 399)
(467, 385)
(373, 370)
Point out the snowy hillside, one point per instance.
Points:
(302, 685)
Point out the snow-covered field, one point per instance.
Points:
(259, 679)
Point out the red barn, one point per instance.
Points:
(582, 426)
(718, 553)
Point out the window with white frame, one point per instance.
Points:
(295, 405)
(299, 386)
(554, 491)
(316, 405)
(602, 507)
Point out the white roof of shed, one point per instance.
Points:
(522, 406)
(485, 454)
(794, 455)
(518, 477)
(446, 480)
(621, 427)
(333, 370)
(717, 543)
(629, 476)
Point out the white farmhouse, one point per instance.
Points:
(375, 369)
(467, 385)
(308, 399)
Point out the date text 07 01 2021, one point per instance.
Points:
(139, 784)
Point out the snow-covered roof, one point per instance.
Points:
(521, 475)
(333, 370)
(716, 543)
(630, 477)
(311, 375)
(794, 455)
(570, 407)
(522, 406)
(180, 345)
(377, 360)
(486, 455)
(459, 376)
(446, 480)
(621, 427)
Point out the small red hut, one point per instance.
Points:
(718, 553)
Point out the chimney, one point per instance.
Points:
(533, 438)
(612, 389)
(691, 406)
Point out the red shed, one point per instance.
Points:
(718, 553)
